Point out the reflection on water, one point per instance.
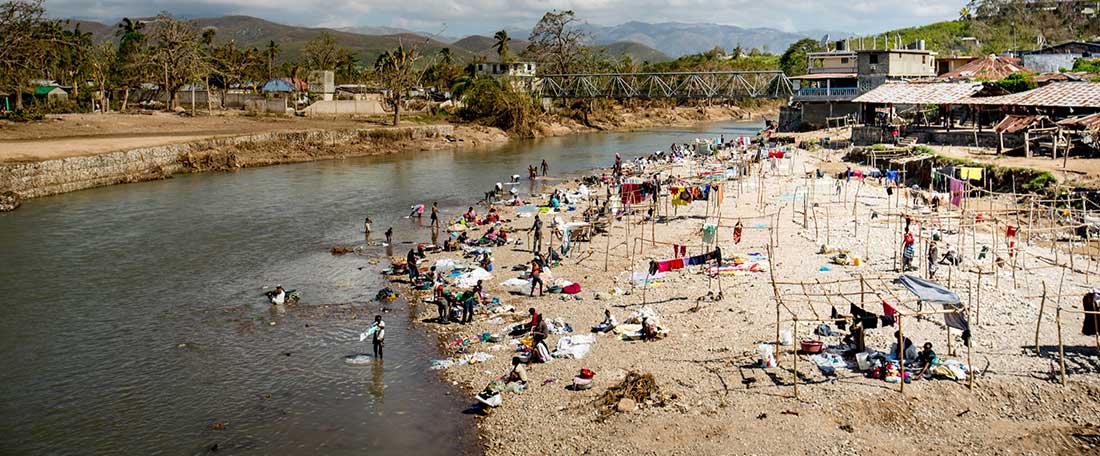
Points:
(135, 320)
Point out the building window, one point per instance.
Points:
(922, 60)
(844, 60)
(874, 59)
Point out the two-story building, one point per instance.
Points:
(835, 78)
(522, 75)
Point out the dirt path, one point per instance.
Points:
(73, 135)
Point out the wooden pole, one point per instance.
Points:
(1061, 347)
(1039, 321)
(978, 302)
(794, 350)
(901, 353)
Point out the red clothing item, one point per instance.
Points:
(908, 239)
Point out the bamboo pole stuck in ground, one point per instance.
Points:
(1039, 321)
(794, 350)
(1061, 347)
(901, 352)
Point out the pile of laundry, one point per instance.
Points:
(471, 358)
(575, 347)
(741, 265)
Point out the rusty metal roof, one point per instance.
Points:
(1057, 94)
(1090, 121)
(920, 93)
(990, 67)
(1013, 123)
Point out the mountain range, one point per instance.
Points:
(643, 42)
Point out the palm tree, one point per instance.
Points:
(446, 57)
(964, 14)
(272, 53)
(502, 45)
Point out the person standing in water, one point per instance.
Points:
(435, 214)
(545, 167)
(389, 235)
(366, 226)
(379, 335)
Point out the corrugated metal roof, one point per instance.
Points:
(824, 76)
(1013, 123)
(990, 68)
(930, 93)
(1057, 94)
(1089, 121)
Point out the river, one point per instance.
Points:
(134, 320)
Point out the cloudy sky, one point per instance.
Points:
(460, 17)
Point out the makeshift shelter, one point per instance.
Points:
(285, 85)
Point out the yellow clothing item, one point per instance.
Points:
(971, 173)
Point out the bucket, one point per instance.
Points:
(857, 261)
(861, 360)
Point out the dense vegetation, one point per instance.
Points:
(1001, 25)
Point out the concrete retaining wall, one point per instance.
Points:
(32, 180)
(369, 106)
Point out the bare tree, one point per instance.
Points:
(322, 53)
(556, 41)
(397, 73)
(177, 53)
(102, 60)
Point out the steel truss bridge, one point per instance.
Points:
(680, 85)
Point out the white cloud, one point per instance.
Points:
(484, 16)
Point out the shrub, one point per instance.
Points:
(878, 147)
(499, 106)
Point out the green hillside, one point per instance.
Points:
(1002, 25)
(638, 52)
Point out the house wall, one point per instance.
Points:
(897, 64)
(1048, 63)
(368, 106)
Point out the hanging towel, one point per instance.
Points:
(888, 310)
(676, 263)
(709, 231)
(891, 175)
(957, 187)
(957, 321)
(840, 324)
(867, 319)
(970, 173)
(664, 266)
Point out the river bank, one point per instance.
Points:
(713, 398)
(70, 153)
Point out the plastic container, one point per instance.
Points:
(786, 338)
(862, 361)
(811, 346)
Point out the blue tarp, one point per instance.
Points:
(278, 85)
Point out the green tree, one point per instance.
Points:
(795, 60)
(101, 66)
(27, 38)
(1017, 82)
(131, 64)
(501, 45)
(396, 70)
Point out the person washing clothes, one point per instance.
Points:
(417, 211)
(277, 297)
(410, 265)
(377, 333)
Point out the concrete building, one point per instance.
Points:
(522, 75)
(823, 96)
(876, 66)
(1052, 58)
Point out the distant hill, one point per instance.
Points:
(676, 39)
(480, 45)
(638, 52)
(249, 31)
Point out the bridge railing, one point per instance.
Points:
(677, 85)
